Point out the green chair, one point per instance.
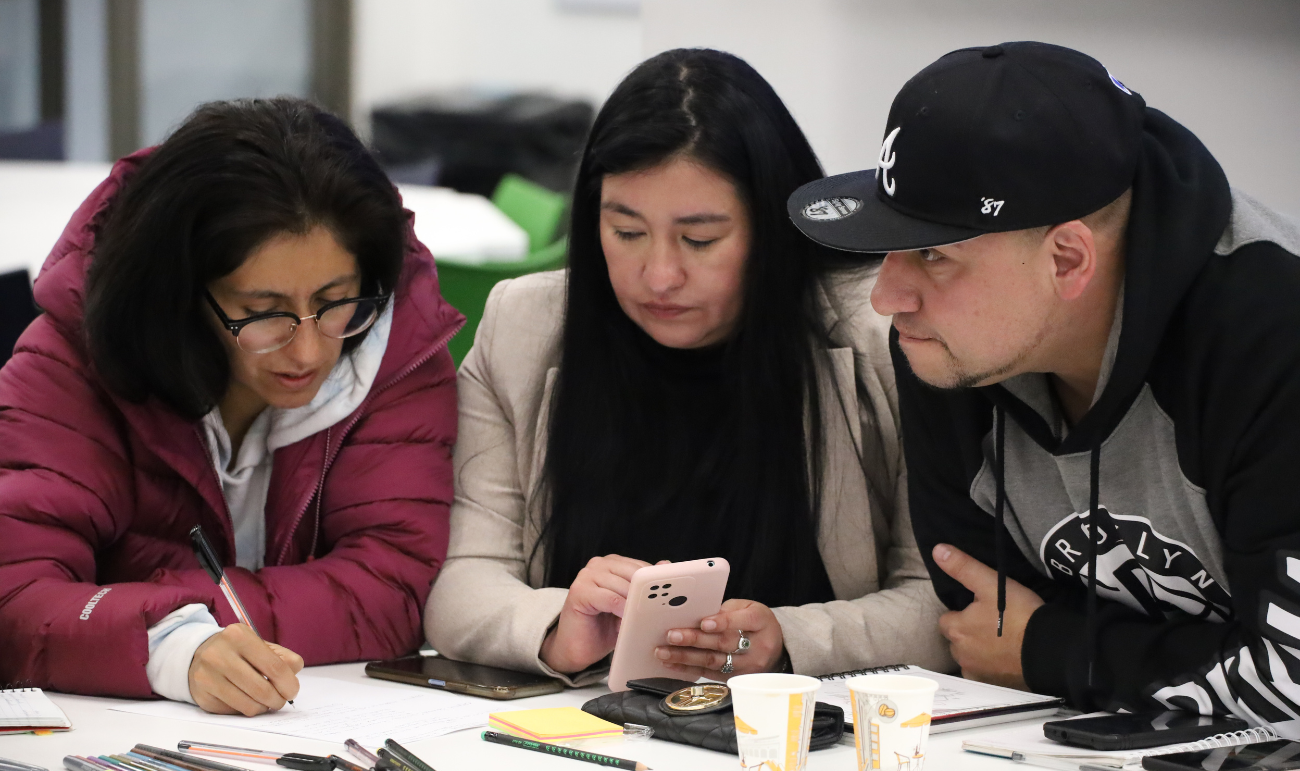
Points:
(532, 207)
(535, 209)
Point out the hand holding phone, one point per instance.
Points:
(677, 595)
(592, 613)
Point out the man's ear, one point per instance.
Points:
(1074, 255)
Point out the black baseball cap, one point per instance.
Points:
(985, 140)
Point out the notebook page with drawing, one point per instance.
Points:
(29, 709)
(958, 703)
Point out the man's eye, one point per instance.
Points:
(628, 235)
(694, 244)
(930, 255)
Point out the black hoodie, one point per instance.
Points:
(1186, 457)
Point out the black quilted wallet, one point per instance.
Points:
(712, 731)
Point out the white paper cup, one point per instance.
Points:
(891, 720)
(774, 715)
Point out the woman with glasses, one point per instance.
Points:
(240, 334)
(701, 382)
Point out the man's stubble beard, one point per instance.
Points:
(963, 379)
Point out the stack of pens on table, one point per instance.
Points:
(392, 757)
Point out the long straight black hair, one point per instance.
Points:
(716, 110)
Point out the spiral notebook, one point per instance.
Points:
(959, 703)
(29, 709)
(1027, 744)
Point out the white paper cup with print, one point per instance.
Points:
(891, 720)
(774, 714)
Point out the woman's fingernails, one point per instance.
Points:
(942, 552)
(675, 637)
(708, 625)
(662, 654)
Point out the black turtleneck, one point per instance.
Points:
(688, 432)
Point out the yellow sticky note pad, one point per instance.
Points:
(558, 724)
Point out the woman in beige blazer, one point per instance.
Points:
(701, 382)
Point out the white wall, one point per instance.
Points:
(1227, 69)
(405, 48)
(195, 51)
(20, 70)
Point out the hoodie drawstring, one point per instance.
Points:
(999, 543)
(1094, 476)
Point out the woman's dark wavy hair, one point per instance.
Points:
(231, 177)
(716, 110)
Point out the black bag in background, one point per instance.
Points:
(467, 140)
(17, 310)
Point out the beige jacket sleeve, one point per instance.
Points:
(482, 608)
(897, 625)
(896, 619)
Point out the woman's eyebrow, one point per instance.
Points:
(268, 294)
(619, 208)
(702, 219)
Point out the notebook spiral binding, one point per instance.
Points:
(868, 671)
(1262, 733)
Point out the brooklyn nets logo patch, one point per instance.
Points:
(1136, 565)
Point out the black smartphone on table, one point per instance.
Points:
(463, 677)
(1281, 755)
(1139, 730)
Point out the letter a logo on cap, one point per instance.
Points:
(886, 162)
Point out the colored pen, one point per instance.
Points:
(207, 557)
(74, 763)
(286, 759)
(154, 763)
(136, 764)
(407, 755)
(181, 760)
(361, 753)
(343, 764)
(388, 759)
(564, 752)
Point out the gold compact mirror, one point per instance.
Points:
(698, 699)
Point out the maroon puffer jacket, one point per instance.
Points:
(97, 496)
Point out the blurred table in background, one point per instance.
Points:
(37, 199)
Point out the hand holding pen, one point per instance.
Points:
(235, 671)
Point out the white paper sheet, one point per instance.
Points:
(335, 710)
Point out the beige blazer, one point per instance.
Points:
(488, 604)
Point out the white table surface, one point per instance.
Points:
(38, 197)
(97, 730)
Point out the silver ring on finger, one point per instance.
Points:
(727, 668)
(742, 645)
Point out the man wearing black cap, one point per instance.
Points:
(1097, 352)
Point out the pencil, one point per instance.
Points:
(564, 752)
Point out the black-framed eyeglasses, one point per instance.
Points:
(266, 332)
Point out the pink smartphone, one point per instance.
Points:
(678, 595)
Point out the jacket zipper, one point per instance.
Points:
(331, 455)
(212, 466)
